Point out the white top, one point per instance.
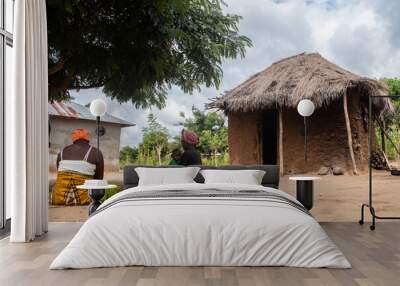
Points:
(304, 178)
(78, 166)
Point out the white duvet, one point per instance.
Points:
(200, 231)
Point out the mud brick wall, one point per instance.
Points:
(327, 141)
(244, 138)
(327, 138)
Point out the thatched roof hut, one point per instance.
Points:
(286, 82)
(279, 88)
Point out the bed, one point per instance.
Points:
(198, 224)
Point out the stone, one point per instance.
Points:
(324, 171)
(337, 171)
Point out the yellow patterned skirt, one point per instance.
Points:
(65, 192)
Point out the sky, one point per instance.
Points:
(362, 36)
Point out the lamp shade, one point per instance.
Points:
(305, 107)
(98, 107)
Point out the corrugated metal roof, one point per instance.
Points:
(74, 110)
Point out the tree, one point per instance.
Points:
(203, 121)
(214, 142)
(136, 49)
(128, 155)
(211, 129)
(394, 85)
(155, 138)
(388, 121)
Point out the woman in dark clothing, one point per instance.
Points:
(175, 157)
(190, 155)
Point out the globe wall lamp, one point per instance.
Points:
(305, 108)
(98, 107)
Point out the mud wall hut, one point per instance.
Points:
(265, 128)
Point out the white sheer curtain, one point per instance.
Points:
(27, 123)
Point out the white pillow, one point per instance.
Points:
(166, 176)
(248, 177)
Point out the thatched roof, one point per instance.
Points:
(286, 82)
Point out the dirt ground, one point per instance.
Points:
(336, 198)
(76, 213)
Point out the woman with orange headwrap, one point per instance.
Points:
(75, 164)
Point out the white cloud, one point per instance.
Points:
(360, 35)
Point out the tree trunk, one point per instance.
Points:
(383, 129)
(280, 142)
(386, 135)
(349, 135)
(158, 151)
(383, 143)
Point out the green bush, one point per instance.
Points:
(222, 159)
(110, 193)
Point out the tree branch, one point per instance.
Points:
(96, 85)
(57, 66)
(61, 86)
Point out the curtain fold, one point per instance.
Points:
(27, 123)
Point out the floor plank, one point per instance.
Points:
(375, 257)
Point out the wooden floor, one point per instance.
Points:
(375, 257)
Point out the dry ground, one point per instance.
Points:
(336, 198)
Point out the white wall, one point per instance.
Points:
(60, 137)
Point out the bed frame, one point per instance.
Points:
(270, 179)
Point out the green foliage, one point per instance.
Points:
(155, 139)
(152, 159)
(390, 151)
(389, 122)
(136, 49)
(156, 145)
(110, 192)
(203, 121)
(212, 132)
(128, 155)
(394, 85)
(219, 159)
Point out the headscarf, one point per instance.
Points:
(189, 137)
(80, 133)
